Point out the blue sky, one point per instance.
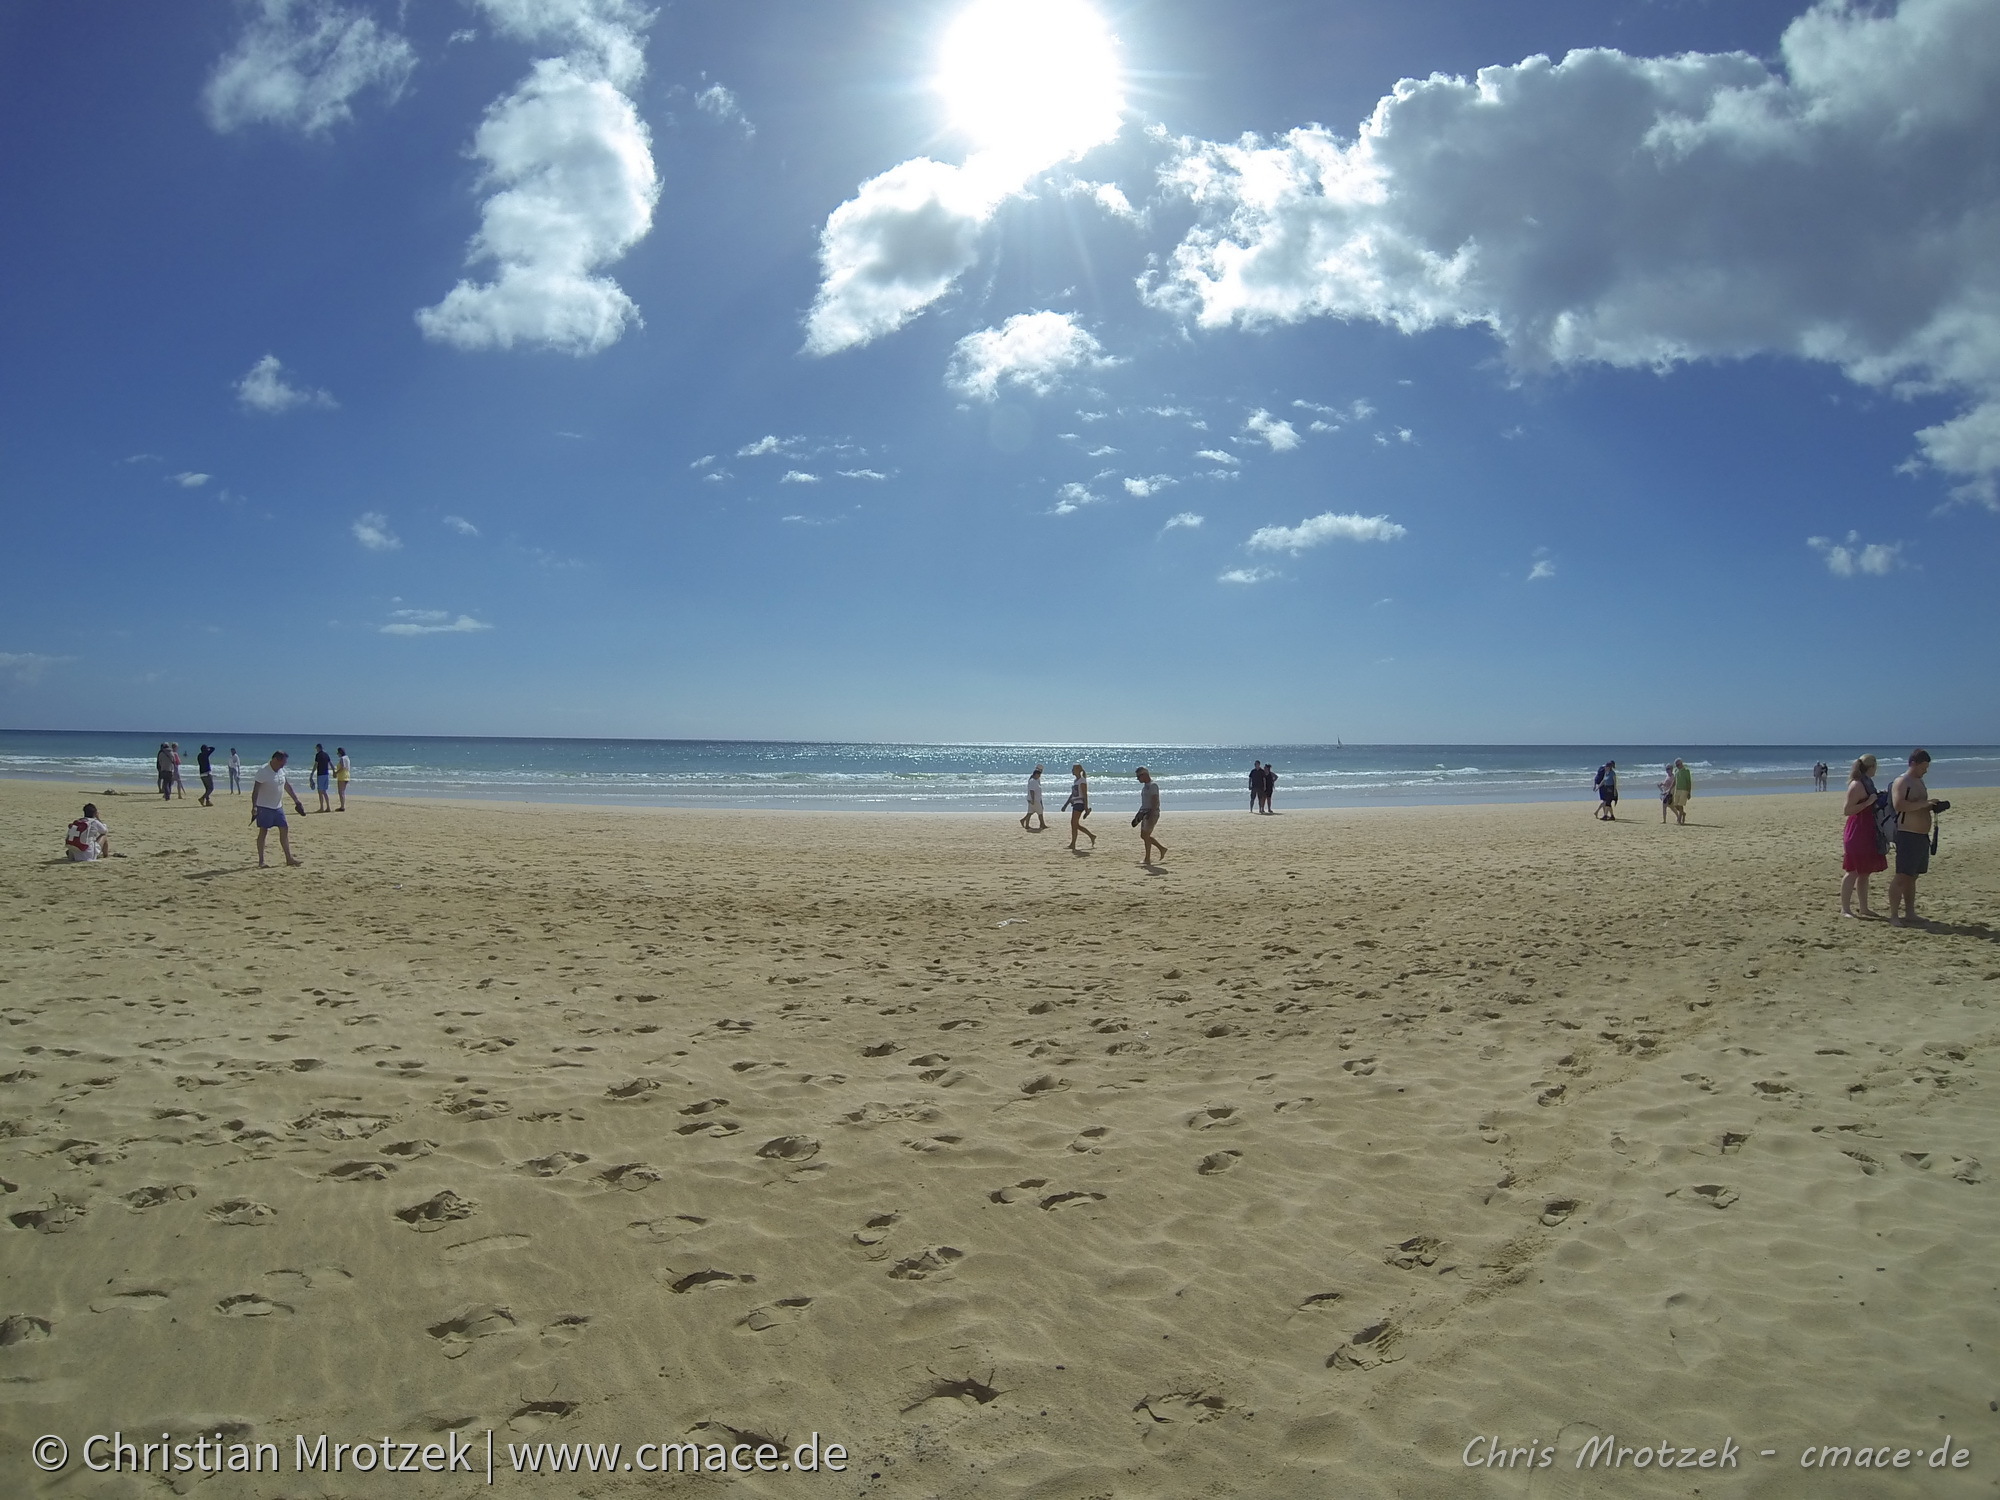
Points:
(1162, 372)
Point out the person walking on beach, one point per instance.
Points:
(322, 777)
(235, 771)
(1914, 819)
(268, 790)
(205, 764)
(87, 838)
(1256, 786)
(1270, 784)
(163, 765)
(180, 787)
(1667, 792)
(1607, 792)
(1035, 803)
(1078, 806)
(1148, 817)
(1860, 850)
(1683, 789)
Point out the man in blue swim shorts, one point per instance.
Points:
(268, 790)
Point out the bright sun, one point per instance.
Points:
(1033, 81)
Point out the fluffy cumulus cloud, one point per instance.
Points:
(299, 63)
(265, 389)
(799, 476)
(1846, 559)
(1033, 351)
(1278, 433)
(431, 622)
(1314, 531)
(1141, 487)
(371, 529)
(569, 166)
(1841, 206)
(1070, 497)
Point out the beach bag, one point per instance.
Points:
(1885, 823)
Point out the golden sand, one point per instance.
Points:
(1289, 1171)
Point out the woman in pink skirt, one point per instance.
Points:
(1860, 853)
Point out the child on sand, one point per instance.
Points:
(87, 838)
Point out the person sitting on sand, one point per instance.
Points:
(1035, 802)
(1860, 851)
(1078, 805)
(268, 790)
(87, 838)
(1148, 816)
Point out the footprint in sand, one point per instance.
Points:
(633, 1092)
(1217, 1161)
(1043, 1083)
(1320, 1301)
(1017, 1191)
(564, 1330)
(1293, 1106)
(251, 1305)
(1090, 1140)
(696, 1281)
(966, 1391)
(24, 1328)
(789, 1148)
(1418, 1250)
(242, 1211)
(632, 1176)
(784, 1310)
(409, 1150)
(1862, 1159)
(718, 1128)
(1069, 1200)
(1713, 1194)
(533, 1416)
(928, 1263)
(660, 1231)
(554, 1164)
(1360, 1067)
(1372, 1346)
(882, 1049)
(876, 1229)
(142, 1299)
(361, 1171)
(928, 1060)
(482, 1320)
(141, 1199)
(1215, 1117)
(436, 1211)
(1181, 1406)
(1556, 1210)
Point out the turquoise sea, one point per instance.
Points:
(961, 778)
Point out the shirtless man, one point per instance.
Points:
(1148, 816)
(1914, 809)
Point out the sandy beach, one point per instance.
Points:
(1291, 1169)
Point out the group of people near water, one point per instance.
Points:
(87, 837)
(1077, 805)
(1675, 788)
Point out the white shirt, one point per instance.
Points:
(85, 839)
(234, 763)
(1034, 791)
(269, 786)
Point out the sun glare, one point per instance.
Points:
(1033, 81)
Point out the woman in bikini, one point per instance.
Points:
(1078, 805)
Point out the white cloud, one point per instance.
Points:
(1217, 456)
(1281, 435)
(570, 166)
(431, 622)
(1642, 212)
(265, 389)
(1186, 518)
(1031, 350)
(1543, 568)
(862, 474)
(1070, 496)
(1246, 575)
(371, 529)
(722, 103)
(298, 63)
(1141, 487)
(27, 667)
(799, 476)
(1326, 527)
(462, 526)
(1107, 196)
(768, 444)
(1845, 559)
(1104, 451)
(1170, 411)
(703, 462)
(190, 481)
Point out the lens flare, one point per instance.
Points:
(1033, 82)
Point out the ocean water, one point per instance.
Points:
(964, 778)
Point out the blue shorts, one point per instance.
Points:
(271, 817)
(323, 780)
